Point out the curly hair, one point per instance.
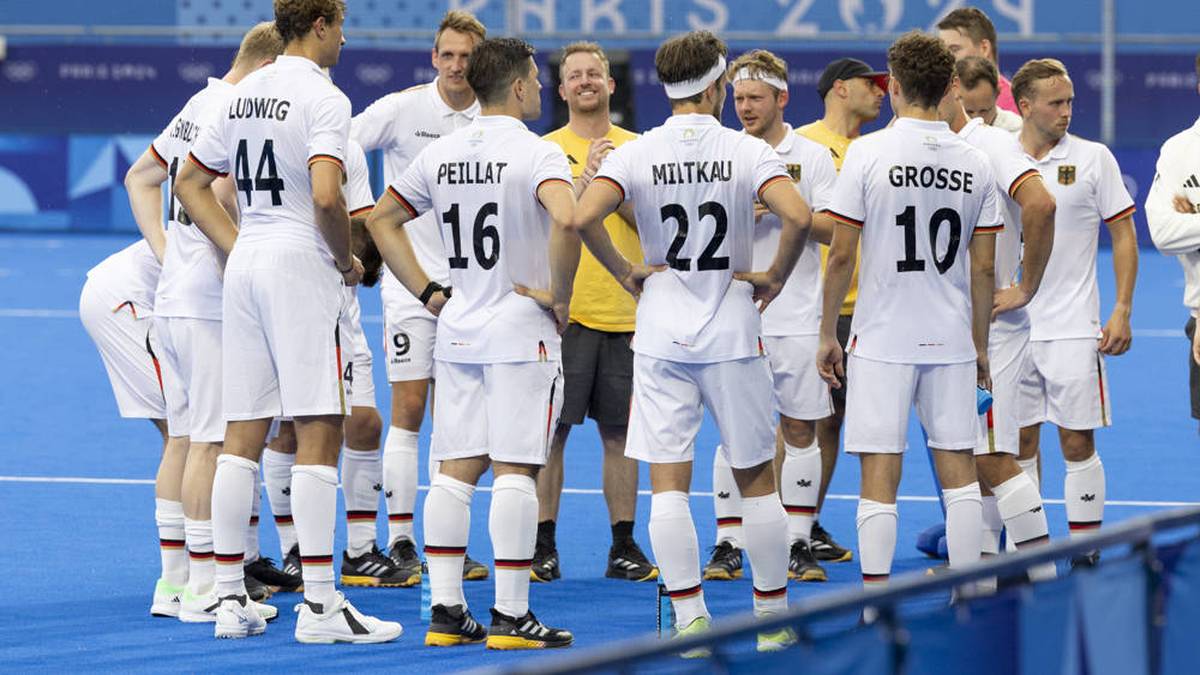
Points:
(294, 18)
(687, 57)
(923, 66)
(761, 62)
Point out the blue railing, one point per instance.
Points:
(1136, 612)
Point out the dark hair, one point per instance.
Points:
(975, 69)
(294, 18)
(687, 57)
(923, 66)
(973, 22)
(494, 65)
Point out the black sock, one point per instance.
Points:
(622, 530)
(545, 534)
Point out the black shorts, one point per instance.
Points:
(843, 336)
(598, 367)
(1193, 369)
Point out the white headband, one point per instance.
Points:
(689, 88)
(745, 74)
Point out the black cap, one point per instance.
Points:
(848, 69)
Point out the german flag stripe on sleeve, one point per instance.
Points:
(990, 229)
(612, 184)
(403, 202)
(1016, 184)
(1123, 214)
(326, 158)
(358, 212)
(844, 219)
(771, 181)
(158, 157)
(205, 168)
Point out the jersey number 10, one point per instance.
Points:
(908, 220)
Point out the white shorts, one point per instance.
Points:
(357, 373)
(668, 403)
(879, 396)
(1064, 382)
(128, 347)
(1000, 427)
(507, 411)
(800, 393)
(283, 350)
(409, 332)
(192, 347)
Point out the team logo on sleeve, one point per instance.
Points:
(1066, 174)
(794, 170)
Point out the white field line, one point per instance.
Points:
(80, 480)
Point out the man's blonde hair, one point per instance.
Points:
(760, 62)
(460, 21)
(261, 43)
(583, 47)
(1033, 71)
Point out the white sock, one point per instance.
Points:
(199, 535)
(876, 541)
(168, 516)
(314, 504)
(277, 477)
(964, 524)
(252, 551)
(673, 540)
(447, 520)
(400, 481)
(993, 526)
(765, 529)
(1020, 505)
(232, 497)
(727, 501)
(800, 486)
(361, 484)
(512, 524)
(1083, 492)
(1030, 467)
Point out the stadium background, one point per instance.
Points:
(84, 85)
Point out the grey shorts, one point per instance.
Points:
(598, 367)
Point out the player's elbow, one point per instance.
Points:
(328, 202)
(1043, 209)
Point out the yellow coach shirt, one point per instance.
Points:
(837, 144)
(599, 302)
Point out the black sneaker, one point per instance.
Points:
(725, 563)
(545, 564)
(527, 632)
(453, 626)
(292, 566)
(404, 557)
(256, 589)
(473, 570)
(825, 549)
(803, 565)
(264, 570)
(373, 568)
(626, 561)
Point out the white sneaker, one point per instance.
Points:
(167, 599)
(339, 621)
(236, 617)
(203, 608)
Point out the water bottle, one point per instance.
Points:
(426, 595)
(666, 613)
(983, 399)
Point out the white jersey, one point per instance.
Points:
(797, 308)
(190, 285)
(402, 124)
(693, 184)
(129, 275)
(1011, 168)
(1086, 183)
(481, 182)
(277, 122)
(357, 189)
(1178, 173)
(919, 193)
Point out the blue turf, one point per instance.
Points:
(79, 560)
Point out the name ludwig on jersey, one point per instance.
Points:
(260, 108)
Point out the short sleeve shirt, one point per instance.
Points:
(129, 275)
(358, 181)
(481, 183)
(1086, 183)
(919, 193)
(693, 184)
